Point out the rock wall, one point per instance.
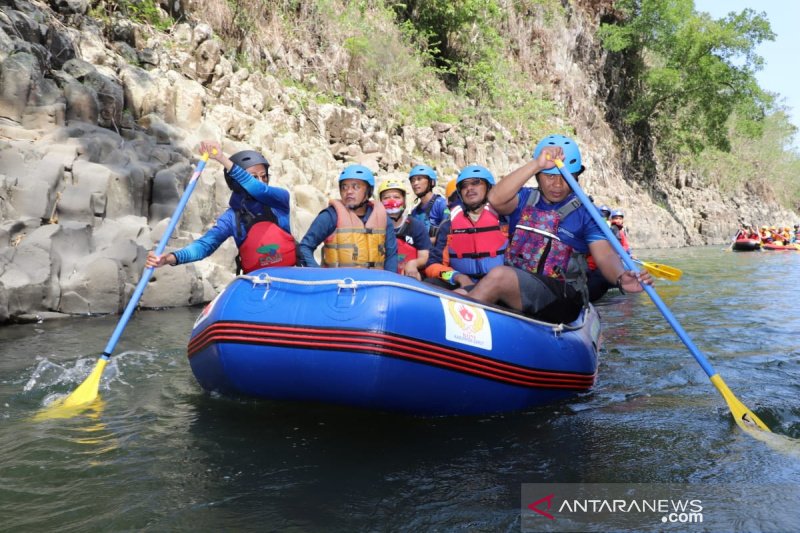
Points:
(98, 127)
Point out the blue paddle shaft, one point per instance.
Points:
(148, 272)
(629, 264)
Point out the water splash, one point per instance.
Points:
(48, 375)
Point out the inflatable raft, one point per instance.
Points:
(782, 247)
(746, 245)
(374, 339)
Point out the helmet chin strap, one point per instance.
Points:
(428, 190)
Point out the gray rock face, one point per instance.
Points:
(96, 151)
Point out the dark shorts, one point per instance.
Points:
(548, 299)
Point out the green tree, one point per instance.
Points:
(693, 71)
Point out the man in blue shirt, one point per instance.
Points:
(356, 231)
(253, 200)
(548, 224)
(431, 208)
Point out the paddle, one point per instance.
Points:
(744, 417)
(88, 390)
(661, 271)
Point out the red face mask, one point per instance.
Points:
(392, 205)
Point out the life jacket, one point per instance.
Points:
(423, 214)
(535, 246)
(405, 250)
(266, 244)
(475, 248)
(354, 243)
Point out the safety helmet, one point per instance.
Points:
(244, 159)
(764, 227)
(423, 170)
(392, 183)
(475, 171)
(605, 210)
(617, 213)
(572, 156)
(451, 188)
(357, 172)
(772, 228)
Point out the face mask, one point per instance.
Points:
(393, 206)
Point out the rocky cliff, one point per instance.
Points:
(99, 122)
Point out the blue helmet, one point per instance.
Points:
(423, 170)
(572, 156)
(605, 210)
(357, 172)
(475, 171)
(617, 213)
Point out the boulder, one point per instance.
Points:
(18, 73)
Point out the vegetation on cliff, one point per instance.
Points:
(690, 92)
(693, 87)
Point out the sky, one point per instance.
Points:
(780, 74)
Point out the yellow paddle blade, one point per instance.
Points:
(82, 397)
(745, 418)
(663, 271)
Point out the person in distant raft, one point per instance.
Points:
(413, 242)
(355, 230)
(618, 229)
(257, 217)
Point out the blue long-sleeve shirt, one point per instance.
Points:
(260, 196)
(325, 224)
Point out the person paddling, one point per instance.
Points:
(549, 225)
(257, 217)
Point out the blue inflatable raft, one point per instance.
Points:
(377, 340)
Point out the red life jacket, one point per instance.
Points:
(266, 245)
(622, 235)
(535, 246)
(476, 248)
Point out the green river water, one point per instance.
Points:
(162, 455)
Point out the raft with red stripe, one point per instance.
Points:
(782, 247)
(374, 339)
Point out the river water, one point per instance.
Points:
(162, 455)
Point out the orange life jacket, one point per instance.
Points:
(355, 243)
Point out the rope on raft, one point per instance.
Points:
(350, 283)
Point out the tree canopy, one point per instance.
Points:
(693, 71)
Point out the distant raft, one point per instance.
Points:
(781, 247)
(746, 245)
(377, 340)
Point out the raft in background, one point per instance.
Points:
(781, 247)
(746, 245)
(374, 339)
